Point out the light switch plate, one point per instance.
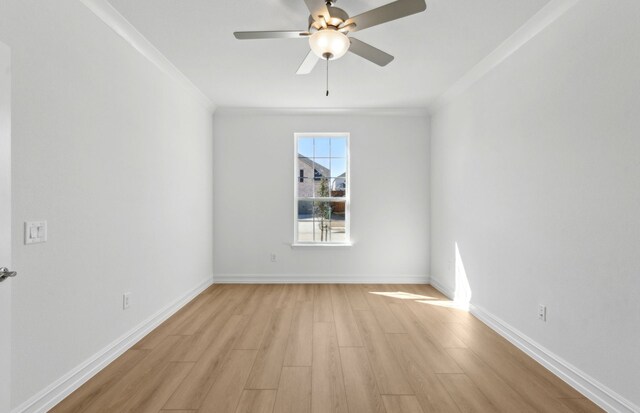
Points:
(35, 232)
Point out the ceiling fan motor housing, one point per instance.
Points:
(336, 19)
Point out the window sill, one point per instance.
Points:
(323, 244)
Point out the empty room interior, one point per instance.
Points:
(312, 206)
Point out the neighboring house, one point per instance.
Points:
(309, 176)
(340, 183)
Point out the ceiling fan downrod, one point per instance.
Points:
(328, 56)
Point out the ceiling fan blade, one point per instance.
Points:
(284, 34)
(318, 8)
(369, 52)
(392, 11)
(308, 64)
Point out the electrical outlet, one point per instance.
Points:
(126, 300)
(273, 257)
(542, 312)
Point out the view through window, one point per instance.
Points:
(322, 188)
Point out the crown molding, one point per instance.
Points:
(542, 19)
(119, 24)
(265, 111)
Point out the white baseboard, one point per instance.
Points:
(318, 279)
(448, 292)
(67, 384)
(582, 382)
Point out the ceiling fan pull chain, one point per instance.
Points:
(327, 76)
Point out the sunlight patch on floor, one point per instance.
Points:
(403, 295)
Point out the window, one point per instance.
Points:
(321, 207)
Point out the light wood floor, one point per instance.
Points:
(322, 349)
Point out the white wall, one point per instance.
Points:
(535, 175)
(253, 198)
(116, 156)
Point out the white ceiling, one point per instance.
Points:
(432, 50)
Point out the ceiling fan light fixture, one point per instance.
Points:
(329, 43)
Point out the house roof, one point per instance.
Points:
(322, 169)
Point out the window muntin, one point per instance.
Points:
(321, 189)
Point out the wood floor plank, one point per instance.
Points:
(299, 348)
(433, 327)
(356, 297)
(133, 381)
(323, 308)
(362, 391)
(552, 382)
(252, 337)
(438, 359)
(401, 404)
(493, 386)
(100, 383)
(226, 391)
(581, 405)
(294, 391)
(268, 365)
(381, 311)
(158, 335)
(306, 292)
(536, 392)
(253, 334)
(199, 343)
(466, 395)
(240, 297)
(288, 296)
(328, 391)
(257, 401)
(346, 327)
(431, 394)
(194, 388)
(155, 390)
(387, 371)
(178, 411)
(297, 292)
(254, 301)
(197, 320)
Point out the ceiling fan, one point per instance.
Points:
(330, 26)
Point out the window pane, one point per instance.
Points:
(338, 187)
(305, 188)
(305, 230)
(322, 147)
(338, 147)
(305, 210)
(305, 221)
(338, 167)
(337, 231)
(322, 217)
(322, 187)
(305, 147)
(321, 166)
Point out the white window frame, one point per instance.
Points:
(346, 199)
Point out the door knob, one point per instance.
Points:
(5, 273)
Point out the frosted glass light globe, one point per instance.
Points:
(329, 41)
